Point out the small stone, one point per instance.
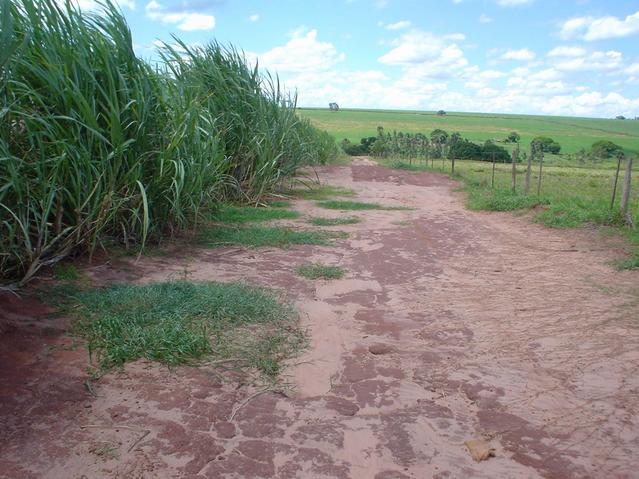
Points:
(379, 348)
(479, 449)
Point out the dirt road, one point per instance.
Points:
(450, 325)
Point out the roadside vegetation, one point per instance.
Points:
(260, 236)
(320, 271)
(356, 205)
(229, 324)
(321, 221)
(98, 146)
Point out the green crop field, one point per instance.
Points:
(572, 134)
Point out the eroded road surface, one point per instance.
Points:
(450, 325)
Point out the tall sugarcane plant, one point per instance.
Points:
(97, 144)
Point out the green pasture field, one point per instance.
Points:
(572, 134)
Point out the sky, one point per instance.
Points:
(560, 57)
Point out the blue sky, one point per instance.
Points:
(568, 57)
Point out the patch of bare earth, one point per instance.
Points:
(450, 326)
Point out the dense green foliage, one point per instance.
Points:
(96, 144)
(179, 322)
(438, 144)
(605, 149)
(547, 145)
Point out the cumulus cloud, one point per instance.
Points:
(602, 61)
(600, 28)
(567, 51)
(253, 18)
(184, 20)
(302, 53)
(424, 48)
(523, 54)
(398, 25)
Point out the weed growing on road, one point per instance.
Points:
(246, 214)
(180, 322)
(319, 221)
(356, 205)
(320, 271)
(264, 236)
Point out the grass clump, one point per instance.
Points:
(356, 205)
(258, 236)
(500, 200)
(322, 192)
(320, 221)
(181, 322)
(320, 271)
(247, 214)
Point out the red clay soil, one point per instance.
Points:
(449, 326)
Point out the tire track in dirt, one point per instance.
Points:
(450, 325)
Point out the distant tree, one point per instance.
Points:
(547, 145)
(438, 136)
(441, 113)
(499, 152)
(465, 150)
(605, 149)
(333, 106)
(378, 148)
(620, 117)
(513, 137)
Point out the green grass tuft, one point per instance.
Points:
(280, 204)
(320, 271)
(66, 272)
(356, 205)
(322, 192)
(246, 214)
(258, 236)
(500, 200)
(181, 322)
(318, 221)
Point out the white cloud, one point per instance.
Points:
(600, 28)
(513, 3)
(523, 54)
(302, 53)
(602, 61)
(398, 25)
(566, 51)
(254, 18)
(483, 18)
(419, 47)
(185, 20)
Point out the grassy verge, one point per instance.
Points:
(320, 271)
(320, 221)
(322, 192)
(356, 205)
(246, 214)
(182, 322)
(258, 236)
(570, 197)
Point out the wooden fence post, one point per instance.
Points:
(541, 164)
(625, 195)
(529, 169)
(515, 157)
(452, 166)
(492, 181)
(614, 186)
